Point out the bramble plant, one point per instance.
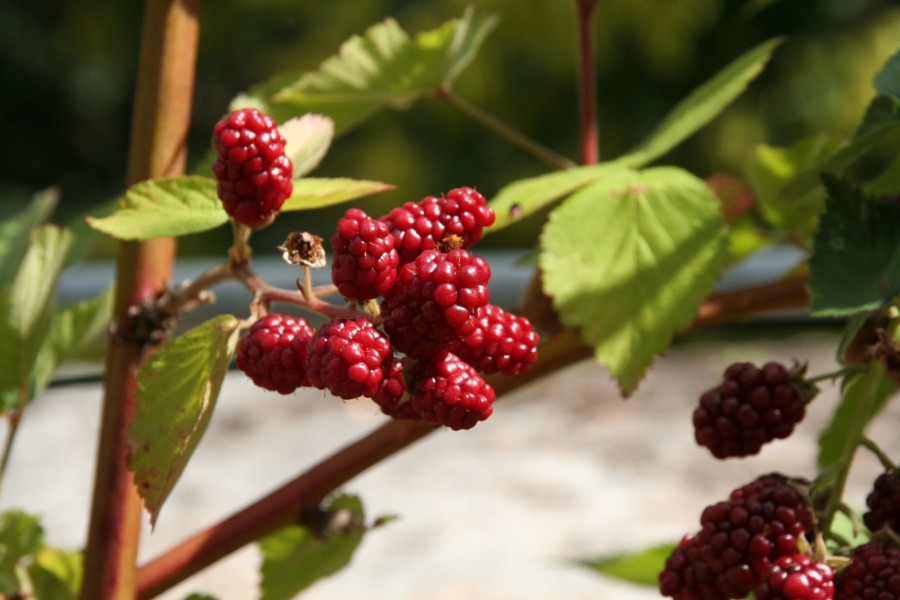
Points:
(408, 320)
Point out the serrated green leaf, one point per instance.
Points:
(310, 193)
(642, 567)
(629, 259)
(703, 104)
(383, 68)
(855, 265)
(56, 574)
(26, 306)
(307, 140)
(15, 231)
(21, 535)
(862, 397)
(177, 389)
(525, 197)
(171, 206)
(294, 558)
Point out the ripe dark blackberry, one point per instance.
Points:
(502, 342)
(874, 574)
(686, 575)
(434, 301)
(751, 407)
(392, 395)
(272, 351)
(349, 358)
(448, 391)
(364, 264)
(458, 219)
(253, 172)
(796, 577)
(884, 503)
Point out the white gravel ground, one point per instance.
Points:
(564, 469)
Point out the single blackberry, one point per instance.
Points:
(272, 351)
(686, 575)
(349, 358)
(364, 264)
(502, 342)
(434, 301)
(253, 172)
(392, 396)
(448, 391)
(751, 407)
(796, 577)
(455, 221)
(884, 503)
(873, 574)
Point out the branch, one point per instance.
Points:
(590, 138)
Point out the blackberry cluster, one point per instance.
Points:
(751, 407)
(873, 574)
(435, 310)
(739, 542)
(884, 503)
(252, 169)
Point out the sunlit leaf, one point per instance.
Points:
(21, 535)
(56, 574)
(629, 259)
(177, 389)
(294, 558)
(310, 193)
(307, 141)
(642, 567)
(164, 207)
(15, 231)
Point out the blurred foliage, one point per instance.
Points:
(67, 71)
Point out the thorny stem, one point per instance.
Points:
(590, 142)
(283, 506)
(539, 151)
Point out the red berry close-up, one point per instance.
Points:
(435, 300)
(349, 358)
(392, 396)
(874, 574)
(364, 264)
(751, 407)
(884, 503)
(502, 342)
(252, 169)
(796, 577)
(448, 391)
(272, 352)
(457, 220)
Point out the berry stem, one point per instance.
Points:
(883, 458)
(268, 294)
(13, 417)
(539, 151)
(590, 139)
(161, 118)
(832, 375)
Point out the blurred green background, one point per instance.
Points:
(67, 76)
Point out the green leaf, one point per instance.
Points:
(171, 206)
(642, 567)
(887, 81)
(703, 104)
(525, 197)
(15, 231)
(384, 68)
(71, 329)
(294, 557)
(310, 193)
(855, 265)
(307, 141)
(629, 259)
(887, 182)
(863, 395)
(21, 535)
(56, 574)
(177, 389)
(201, 597)
(26, 306)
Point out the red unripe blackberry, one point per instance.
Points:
(874, 574)
(272, 352)
(751, 407)
(349, 358)
(502, 342)
(884, 503)
(448, 391)
(392, 396)
(458, 219)
(253, 172)
(434, 301)
(364, 264)
(796, 577)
